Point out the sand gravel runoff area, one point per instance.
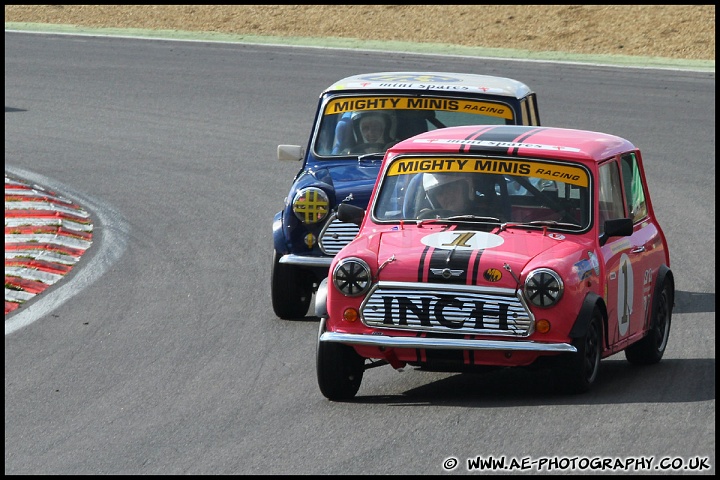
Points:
(667, 31)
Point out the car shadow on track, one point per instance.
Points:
(670, 381)
(694, 302)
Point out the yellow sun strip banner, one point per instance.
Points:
(550, 171)
(351, 104)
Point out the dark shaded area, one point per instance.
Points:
(670, 381)
(694, 302)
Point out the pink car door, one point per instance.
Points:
(624, 262)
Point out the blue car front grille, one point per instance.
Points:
(336, 234)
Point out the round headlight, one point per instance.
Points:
(543, 287)
(352, 277)
(310, 205)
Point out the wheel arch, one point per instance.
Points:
(279, 240)
(580, 327)
(664, 275)
(321, 300)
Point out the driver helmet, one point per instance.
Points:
(432, 181)
(360, 119)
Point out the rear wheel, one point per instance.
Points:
(339, 370)
(581, 370)
(651, 348)
(291, 290)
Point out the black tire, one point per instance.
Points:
(339, 370)
(291, 290)
(580, 370)
(651, 348)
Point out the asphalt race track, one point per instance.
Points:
(160, 353)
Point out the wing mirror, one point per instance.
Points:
(350, 213)
(292, 153)
(617, 227)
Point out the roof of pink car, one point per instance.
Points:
(516, 140)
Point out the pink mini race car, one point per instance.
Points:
(498, 246)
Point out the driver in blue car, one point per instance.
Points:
(364, 132)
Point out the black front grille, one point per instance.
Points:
(458, 309)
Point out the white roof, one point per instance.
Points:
(443, 81)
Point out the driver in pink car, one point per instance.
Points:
(448, 191)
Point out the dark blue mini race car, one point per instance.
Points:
(357, 120)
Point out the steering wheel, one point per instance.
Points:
(368, 148)
(433, 213)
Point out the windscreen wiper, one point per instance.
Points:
(473, 218)
(540, 223)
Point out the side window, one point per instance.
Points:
(524, 114)
(528, 109)
(532, 105)
(610, 195)
(634, 189)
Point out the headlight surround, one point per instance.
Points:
(352, 276)
(543, 287)
(311, 205)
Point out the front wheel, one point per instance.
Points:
(339, 370)
(581, 370)
(291, 290)
(651, 348)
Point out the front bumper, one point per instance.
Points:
(306, 261)
(444, 343)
